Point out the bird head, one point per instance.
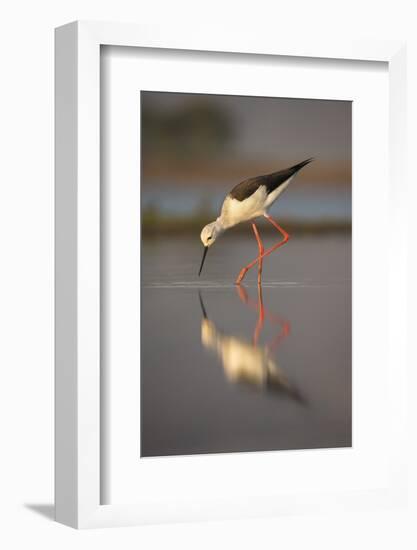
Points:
(208, 235)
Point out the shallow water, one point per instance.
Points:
(224, 370)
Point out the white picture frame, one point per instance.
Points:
(78, 318)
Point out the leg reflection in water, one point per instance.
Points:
(245, 361)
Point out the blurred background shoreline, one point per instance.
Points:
(155, 225)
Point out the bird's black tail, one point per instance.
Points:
(274, 180)
(300, 165)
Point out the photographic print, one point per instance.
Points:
(245, 273)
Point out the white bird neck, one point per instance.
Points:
(223, 223)
(220, 225)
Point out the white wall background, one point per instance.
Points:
(26, 273)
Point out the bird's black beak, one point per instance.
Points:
(202, 261)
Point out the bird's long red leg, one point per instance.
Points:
(261, 251)
(285, 239)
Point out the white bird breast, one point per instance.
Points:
(234, 211)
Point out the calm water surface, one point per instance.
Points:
(226, 371)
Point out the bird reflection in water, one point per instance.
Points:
(246, 361)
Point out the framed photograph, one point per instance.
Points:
(228, 312)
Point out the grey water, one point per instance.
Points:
(224, 370)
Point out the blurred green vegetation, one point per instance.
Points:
(156, 224)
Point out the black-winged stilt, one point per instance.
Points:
(251, 199)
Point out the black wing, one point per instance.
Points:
(246, 188)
